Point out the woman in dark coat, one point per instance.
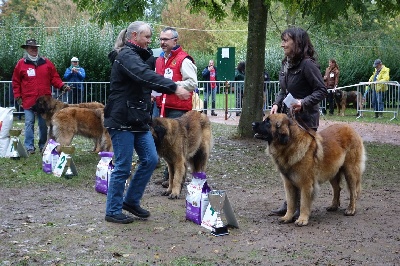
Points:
(300, 76)
(126, 116)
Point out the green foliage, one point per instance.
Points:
(87, 41)
(354, 50)
(355, 60)
(114, 11)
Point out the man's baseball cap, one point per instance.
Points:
(377, 62)
(30, 42)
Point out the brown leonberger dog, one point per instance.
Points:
(306, 158)
(182, 142)
(344, 98)
(71, 121)
(47, 106)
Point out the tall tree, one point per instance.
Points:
(191, 27)
(24, 10)
(320, 11)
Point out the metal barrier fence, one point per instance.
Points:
(92, 91)
(377, 98)
(229, 96)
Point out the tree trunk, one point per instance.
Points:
(255, 60)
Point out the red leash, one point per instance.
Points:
(162, 113)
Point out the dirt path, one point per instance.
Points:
(370, 132)
(62, 223)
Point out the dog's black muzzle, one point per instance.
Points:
(258, 131)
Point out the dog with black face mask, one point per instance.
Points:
(183, 142)
(307, 158)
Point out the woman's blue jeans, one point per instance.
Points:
(123, 144)
(30, 132)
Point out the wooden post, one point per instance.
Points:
(227, 85)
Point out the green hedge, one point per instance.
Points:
(92, 44)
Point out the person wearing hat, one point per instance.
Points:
(75, 75)
(33, 77)
(379, 76)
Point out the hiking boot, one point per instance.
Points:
(136, 210)
(280, 211)
(165, 184)
(119, 219)
(163, 179)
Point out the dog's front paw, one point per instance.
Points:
(174, 196)
(301, 221)
(350, 212)
(286, 219)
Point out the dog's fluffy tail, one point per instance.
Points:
(362, 169)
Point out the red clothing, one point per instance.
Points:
(212, 78)
(171, 69)
(31, 81)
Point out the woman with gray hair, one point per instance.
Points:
(127, 117)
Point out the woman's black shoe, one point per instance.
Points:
(280, 211)
(136, 210)
(119, 219)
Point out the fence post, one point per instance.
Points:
(227, 85)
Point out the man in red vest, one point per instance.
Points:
(176, 64)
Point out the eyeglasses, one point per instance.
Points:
(166, 39)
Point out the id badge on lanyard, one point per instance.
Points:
(31, 72)
(168, 73)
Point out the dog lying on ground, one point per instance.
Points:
(71, 121)
(344, 98)
(182, 142)
(47, 106)
(305, 159)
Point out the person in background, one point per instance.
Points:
(331, 79)
(240, 73)
(300, 76)
(210, 74)
(127, 117)
(380, 74)
(33, 77)
(175, 64)
(266, 93)
(75, 75)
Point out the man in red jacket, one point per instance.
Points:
(33, 77)
(176, 64)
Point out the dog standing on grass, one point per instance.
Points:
(343, 98)
(71, 121)
(47, 107)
